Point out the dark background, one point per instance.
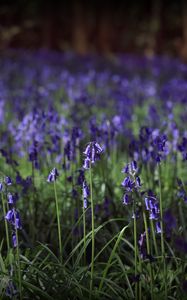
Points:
(143, 27)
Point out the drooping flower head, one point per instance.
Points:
(53, 175)
(131, 168)
(8, 180)
(13, 218)
(152, 205)
(92, 152)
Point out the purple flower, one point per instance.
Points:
(53, 175)
(142, 245)
(138, 182)
(85, 203)
(126, 199)
(14, 240)
(13, 218)
(86, 164)
(128, 184)
(131, 168)
(8, 180)
(10, 198)
(92, 152)
(158, 228)
(86, 193)
(152, 205)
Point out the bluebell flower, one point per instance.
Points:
(53, 175)
(152, 205)
(7, 180)
(86, 164)
(14, 239)
(142, 245)
(13, 218)
(158, 228)
(126, 199)
(10, 198)
(137, 182)
(131, 168)
(85, 203)
(128, 183)
(92, 152)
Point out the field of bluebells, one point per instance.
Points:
(93, 177)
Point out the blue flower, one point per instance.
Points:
(13, 218)
(14, 239)
(8, 180)
(92, 152)
(152, 205)
(131, 168)
(128, 184)
(53, 175)
(126, 199)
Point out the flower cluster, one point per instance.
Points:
(131, 183)
(12, 216)
(152, 206)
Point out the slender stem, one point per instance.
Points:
(84, 231)
(32, 204)
(135, 253)
(140, 285)
(18, 260)
(93, 238)
(148, 252)
(58, 222)
(154, 238)
(162, 233)
(6, 225)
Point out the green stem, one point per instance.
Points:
(84, 231)
(58, 222)
(135, 253)
(93, 237)
(18, 261)
(6, 225)
(148, 252)
(162, 233)
(154, 237)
